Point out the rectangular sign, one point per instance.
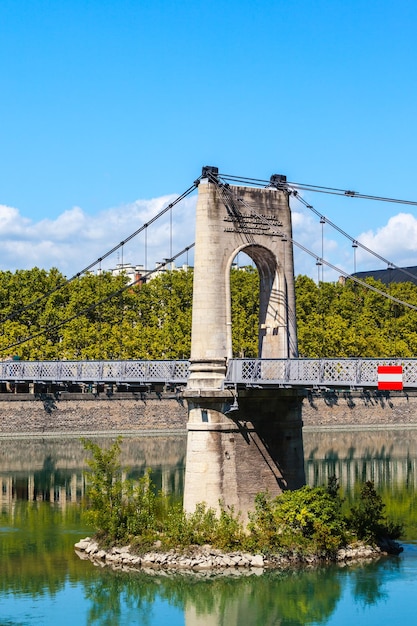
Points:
(390, 377)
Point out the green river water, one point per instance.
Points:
(43, 582)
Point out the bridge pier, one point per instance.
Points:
(239, 447)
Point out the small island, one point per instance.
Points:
(136, 527)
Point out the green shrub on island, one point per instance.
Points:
(304, 520)
(310, 520)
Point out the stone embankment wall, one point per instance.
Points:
(359, 408)
(47, 414)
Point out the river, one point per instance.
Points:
(43, 582)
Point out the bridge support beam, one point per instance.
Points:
(234, 452)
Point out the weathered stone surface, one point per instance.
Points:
(90, 415)
(92, 548)
(257, 560)
(233, 458)
(103, 415)
(356, 553)
(364, 408)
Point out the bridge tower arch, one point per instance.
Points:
(276, 328)
(257, 221)
(233, 454)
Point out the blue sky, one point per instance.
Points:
(111, 107)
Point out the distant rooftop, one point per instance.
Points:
(391, 275)
(135, 272)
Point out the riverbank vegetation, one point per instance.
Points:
(97, 317)
(301, 522)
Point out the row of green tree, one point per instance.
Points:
(43, 316)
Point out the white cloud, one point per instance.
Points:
(396, 241)
(12, 224)
(75, 239)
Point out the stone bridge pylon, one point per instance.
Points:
(248, 440)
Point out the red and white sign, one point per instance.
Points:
(390, 377)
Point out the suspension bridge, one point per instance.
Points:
(248, 219)
(244, 415)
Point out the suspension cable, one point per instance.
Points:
(292, 189)
(316, 188)
(354, 241)
(320, 261)
(354, 278)
(351, 194)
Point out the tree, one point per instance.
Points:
(42, 316)
(245, 311)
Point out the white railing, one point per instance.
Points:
(315, 372)
(250, 372)
(95, 371)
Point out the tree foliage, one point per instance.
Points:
(367, 516)
(350, 320)
(307, 519)
(100, 317)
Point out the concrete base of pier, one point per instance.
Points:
(237, 447)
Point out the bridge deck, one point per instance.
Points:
(307, 373)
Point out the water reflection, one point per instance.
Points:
(286, 598)
(387, 457)
(42, 483)
(35, 540)
(383, 456)
(54, 470)
(38, 562)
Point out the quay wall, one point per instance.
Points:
(359, 408)
(48, 414)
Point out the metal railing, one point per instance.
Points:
(315, 372)
(139, 372)
(250, 372)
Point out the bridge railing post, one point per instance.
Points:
(321, 372)
(287, 370)
(358, 371)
